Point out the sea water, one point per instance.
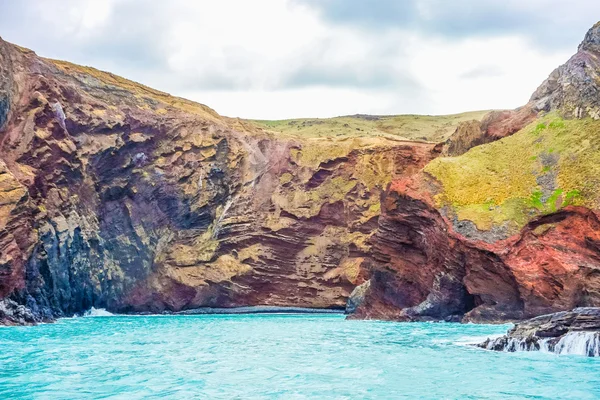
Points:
(277, 356)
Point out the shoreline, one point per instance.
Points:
(243, 310)
(258, 310)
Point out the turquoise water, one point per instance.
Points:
(276, 357)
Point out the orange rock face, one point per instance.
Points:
(116, 195)
(429, 264)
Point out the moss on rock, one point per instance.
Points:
(547, 165)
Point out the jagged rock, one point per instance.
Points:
(423, 269)
(429, 261)
(12, 313)
(566, 332)
(357, 297)
(114, 195)
(494, 126)
(574, 88)
(468, 134)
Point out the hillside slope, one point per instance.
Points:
(428, 128)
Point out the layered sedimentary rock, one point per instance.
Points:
(424, 269)
(118, 196)
(494, 126)
(566, 332)
(508, 230)
(114, 195)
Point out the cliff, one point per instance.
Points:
(118, 196)
(505, 230)
(115, 195)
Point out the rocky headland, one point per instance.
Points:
(115, 195)
(507, 230)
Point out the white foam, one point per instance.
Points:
(579, 343)
(572, 343)
(97, 312)
(472, 340)
(514, 344)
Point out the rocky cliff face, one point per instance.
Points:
(574, 88)
(509, 229)
(115, 195)
(495, 125)
(424, 268)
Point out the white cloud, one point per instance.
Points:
(299, 103)
(442, 68)
(273, 59)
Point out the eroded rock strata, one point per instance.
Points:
(114, 195)
(117, 196)
(423, 269)
(509, 229)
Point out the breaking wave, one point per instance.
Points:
(573, 343)
(97, 312)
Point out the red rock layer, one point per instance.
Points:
(494, 126)
(116, 195)
(422, 269)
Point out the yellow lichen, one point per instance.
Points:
(285, 178)
(497, 183)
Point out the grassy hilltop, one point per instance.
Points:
(433, 128)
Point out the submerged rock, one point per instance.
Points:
(568, 332)
(12, 313)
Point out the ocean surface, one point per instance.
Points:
(277, 356)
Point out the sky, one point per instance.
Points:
(277, 59)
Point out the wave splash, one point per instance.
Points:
(581, 343)
(97, 312)
(573, 343)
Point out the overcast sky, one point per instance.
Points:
(274, 59)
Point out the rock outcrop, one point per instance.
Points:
(508, 230)
(574, 88)
(114, 195)
(424, 269)
(567, 332)
(494, 126)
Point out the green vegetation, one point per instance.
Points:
(547, 165)
(411, 127)
(539, 127)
